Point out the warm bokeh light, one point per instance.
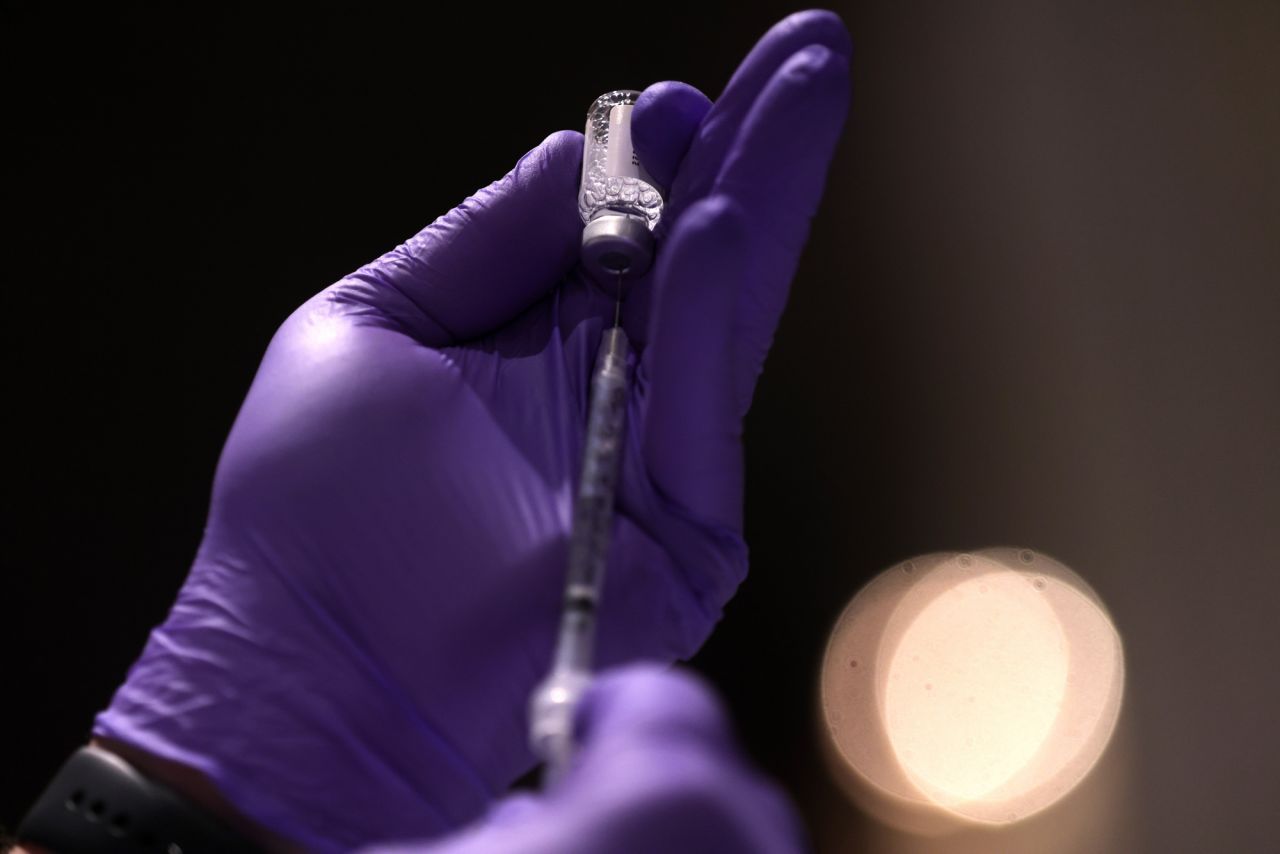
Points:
(978, 686)
(974, 687)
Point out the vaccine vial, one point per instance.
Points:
(619, 201)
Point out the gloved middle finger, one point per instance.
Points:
(724, 122)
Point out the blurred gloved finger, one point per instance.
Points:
(775, 172)
(663, 124)
(651, 701)
(660, 770)
(691, 429)
(657, 771)
(723, 123)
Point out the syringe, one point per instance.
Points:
(554, 703)
(619, 203)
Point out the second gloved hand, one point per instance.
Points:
(378, 588)
(658, 772)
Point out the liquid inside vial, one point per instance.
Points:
(613, 181)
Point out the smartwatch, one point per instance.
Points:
(98, 803)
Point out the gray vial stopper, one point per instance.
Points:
(615, 243)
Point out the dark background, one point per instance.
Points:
(1040, 306)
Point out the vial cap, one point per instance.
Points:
(614, 244)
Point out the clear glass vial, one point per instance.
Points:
(618, 200)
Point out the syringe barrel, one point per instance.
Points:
(554, 703)
(601, 458)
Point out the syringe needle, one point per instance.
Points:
(617, 306)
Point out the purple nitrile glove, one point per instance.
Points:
(378, 587)
(657, 771)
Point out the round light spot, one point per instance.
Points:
(985, 690)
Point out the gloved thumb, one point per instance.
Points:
(486, 260)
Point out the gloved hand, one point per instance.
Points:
(657, 771)
(378, 587)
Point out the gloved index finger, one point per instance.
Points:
(666, 118)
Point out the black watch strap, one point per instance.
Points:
(99, 803)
